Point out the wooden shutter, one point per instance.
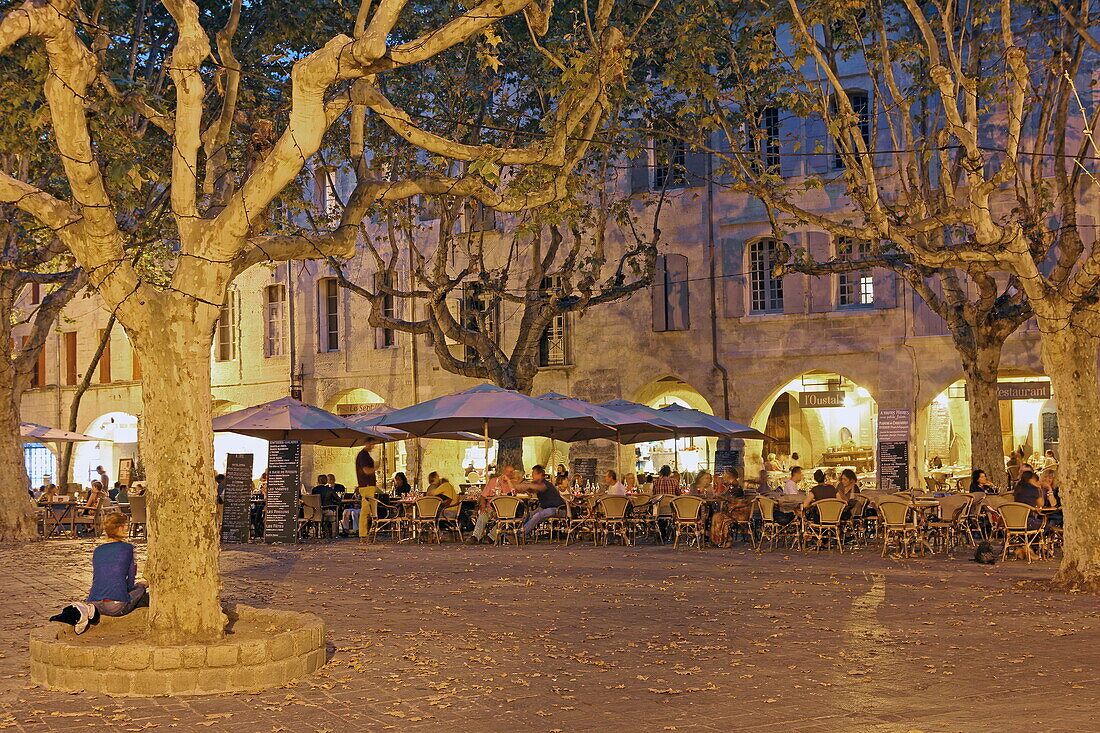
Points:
(792, 145)
(639, 173)
(105, 361)
(659, 295)
(886, 288)
(823, 287)
(794, 293)
(733, 277)
(818, 150)
(695, 161)
(70, 357)
(135, 364)
(678, 300)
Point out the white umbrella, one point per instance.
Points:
(34, 433)
(291, 419)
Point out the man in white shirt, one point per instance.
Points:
(791, 485)
(615, 487)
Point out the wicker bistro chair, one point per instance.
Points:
(860, 524)
(1015, 516)
(138, 516)
(945, 530)
(578, 520)
(509, 517)
(974, 523)
(394, 523)
(827, 527)
(425, 518)
(611, 519)
(311, 517)
(643, 517)
(663, 516)
(688, 519)
(450, 520)
(771, 530)
(897, 521)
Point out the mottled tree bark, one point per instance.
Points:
(17, 522)
(178, 454)
(1070, 360)
(982, 365)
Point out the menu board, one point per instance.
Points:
(893, 450)
(284, 469)
(235, 497)
(585, 468)
(938, 442)
(125, 472)
(724, 459)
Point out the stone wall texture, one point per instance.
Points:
(63, 661)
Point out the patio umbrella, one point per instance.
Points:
(629, 428)
(35, 433)
(378, 413)
(685, 417)
(679, 428)
(496, 413)
(291, 419)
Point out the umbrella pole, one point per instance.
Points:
(486, 426)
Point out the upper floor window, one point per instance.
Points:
(275, 326)
(854, 288)
(861, 106)
(554, 344)
(328, 308)
(480, 312)
(766, 290)
(387, 306)
(764, 141)
(669, 164)
(225, 339)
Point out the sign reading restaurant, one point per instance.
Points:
(832, 398)
(1020, 391)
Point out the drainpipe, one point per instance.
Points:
(292, 336)
(713, 257)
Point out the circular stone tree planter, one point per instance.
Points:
(262, 648)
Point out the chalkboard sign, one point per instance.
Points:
(724, 459)
(585, 468)
(236, 496)
(284, 469)
(125, 472)
(893, 450)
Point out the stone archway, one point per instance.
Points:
(119, 431)
(691, 455)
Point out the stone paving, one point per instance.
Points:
(548, 638)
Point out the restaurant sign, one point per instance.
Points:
(832, 398)
(358, 408)
(1020, 391)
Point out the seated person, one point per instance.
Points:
(734, 507)
(1048, 483)
(550, 501)
(441, 487)
(123, 495)
(791, 485)
(401, 485)
(1027, 491)
(980, 483)
(615, 487)
(495, 486)
(330, 500)
(821, 490)
(115, 590)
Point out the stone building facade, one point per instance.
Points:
(715, 333)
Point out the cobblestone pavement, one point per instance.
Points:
(548, 638)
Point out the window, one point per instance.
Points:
(766, 290)
(275, 320)
(38, 376)
(323, 191)
(861, 105)
(225, 337)
(670, 165)
(477, 217)
(70, 357)
(671, 299)
(764, 141)
(328, 302)
(385, 337)
(480, 312)
(36, 293)
(554, 343)
(105, 360)
(855, 289)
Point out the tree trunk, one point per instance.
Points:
(510, 452)
(986, 453)
(178, 453)
(78, 395)
(1070, 360)
(17, 523)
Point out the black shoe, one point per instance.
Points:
(471, 540)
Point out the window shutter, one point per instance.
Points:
(886, 288)
(794, 293)
(733, 280)
(790, 159)
(659, 293)
(821, 287)
(639, 173)
(695, 161)
(678, 311)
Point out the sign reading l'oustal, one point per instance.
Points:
(821, 399)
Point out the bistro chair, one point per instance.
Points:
(425, 517)
(311, 517)
(578, 519)
(643, 517)
(662, 512)
(896, 517)
(450, 519)
(509, 517)
(860, 523)
(138, 516)
(826, 527)
(394, 523)
(770, 530)
(1018, 535)
(946, 529)
(687, 517)
(611, 518)
(974, 523)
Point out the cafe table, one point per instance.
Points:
(56, 514)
